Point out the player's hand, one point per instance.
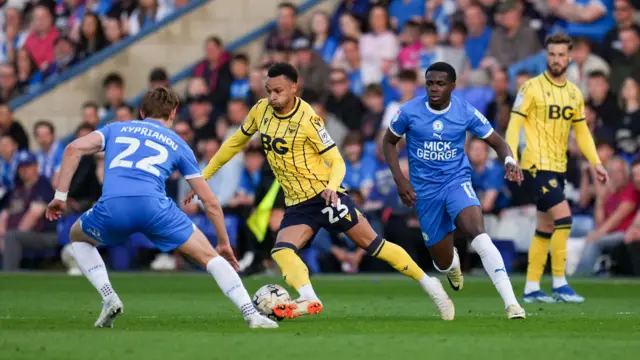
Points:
(330, 197)
(513, 173)
(187, 199)
(601, 173)
(227, 252)
(55, 210)
(405, 190)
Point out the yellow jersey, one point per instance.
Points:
(297, 146)
(548, 111)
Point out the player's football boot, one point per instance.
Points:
(297, 308)
(442, 301)
(257, 321)
(566, 294)
(456, 280)
(515, 311)
(110, 310)
(537, 296)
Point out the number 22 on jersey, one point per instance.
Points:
(147, 163)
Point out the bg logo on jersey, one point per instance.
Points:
(556, 111)
(278, 145)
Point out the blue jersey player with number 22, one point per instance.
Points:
(139, 157)
(435, 127)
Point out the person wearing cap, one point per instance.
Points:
(310, 66)
(22, 223)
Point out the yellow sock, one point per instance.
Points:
(294, 272)
(538, 252)
(559, 246)
(395, 256)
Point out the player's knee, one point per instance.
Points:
(563, 223)
(374, 247)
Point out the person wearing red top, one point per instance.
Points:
(41, 41)
(616, 208)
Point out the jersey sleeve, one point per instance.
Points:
(104, 133)
(187, 165)
(579, 115)
(318, 134)
(399, 123)
(479, 125)
(250, 125)
(523, 101)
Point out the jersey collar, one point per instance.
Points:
(438, 112)
(296, 106)
(546, 76)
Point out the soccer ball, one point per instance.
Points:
(267, 297)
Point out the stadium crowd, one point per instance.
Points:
(356, 66)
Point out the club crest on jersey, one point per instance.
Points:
(293, 128)
(317, 122)
(438, 126)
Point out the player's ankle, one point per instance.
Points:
(531, 286)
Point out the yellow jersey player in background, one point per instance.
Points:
(549, 106)
(310, 169)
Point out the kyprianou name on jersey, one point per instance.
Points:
(150, 133)
(437, 150)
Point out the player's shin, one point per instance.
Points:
(559, 250)
(231, 285)
(395, 256)
(494, 266)
(538, 253)
(93, 267)
(294, 272)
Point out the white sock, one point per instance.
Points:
(93, 268)
(559, 281)
(306, 292)
(454, 264)
(494, 266)
(231, 285)
(431, 285)
(531, 286)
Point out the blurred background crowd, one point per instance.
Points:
(357, 66)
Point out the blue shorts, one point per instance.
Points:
(111, 221)
(437, 215)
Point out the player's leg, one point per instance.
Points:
(198, 249)
(363, 235)
(537, 259)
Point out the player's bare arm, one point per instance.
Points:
(512, 171)
(390, 151)
(86, 145)
(214, 212)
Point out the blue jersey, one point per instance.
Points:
(140, 156)
(435, 142)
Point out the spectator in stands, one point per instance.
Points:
(28, 75)
(496, 113)
(90, 114)
(479, 36)
(403, 11)
(311, 68)
(41, 41)
(591, 18)
(378, 44)
(456, 54)
(158, 77)
(521, 78)
(122, 9)
(249, 180)
(616, 207)
(8, 83)
(372, 118)
(8, 166)
(628, 63)
(215, 69)
(92, 38)
(113, 88)
(224, 182)
(335, 127)
(410, 41)
(148, 13)
(353, 65)
(628, 127)
(184, 130)
(201, 117)
(322, 40)
(22, 223)
(623, 14)
(65, 56)
(286, 31)
(350, 28)
(9, 126)
(240, 77)
(13, 37)
(602, 99)
(237, 111)
(407, 88)
(342, 102)
(632, 235)
(124, 112)
(514, 40)
(356, 9)
(68, 15)
(487, 177)
(113, 31)
(50, 155)
(584, 63)
(579, 190)
(359, 173)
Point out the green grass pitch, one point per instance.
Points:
(185, 316)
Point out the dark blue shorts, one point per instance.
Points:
(543, 188)
(316, 214)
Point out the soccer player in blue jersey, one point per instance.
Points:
(436, 128)
(139, 157)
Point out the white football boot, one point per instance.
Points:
(442, 301)
(515, 311)
(110, 310)
(257, 321)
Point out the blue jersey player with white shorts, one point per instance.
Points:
(435, 127)
(139, 157)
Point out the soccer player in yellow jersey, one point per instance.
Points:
(310, 169)
(549, 106)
